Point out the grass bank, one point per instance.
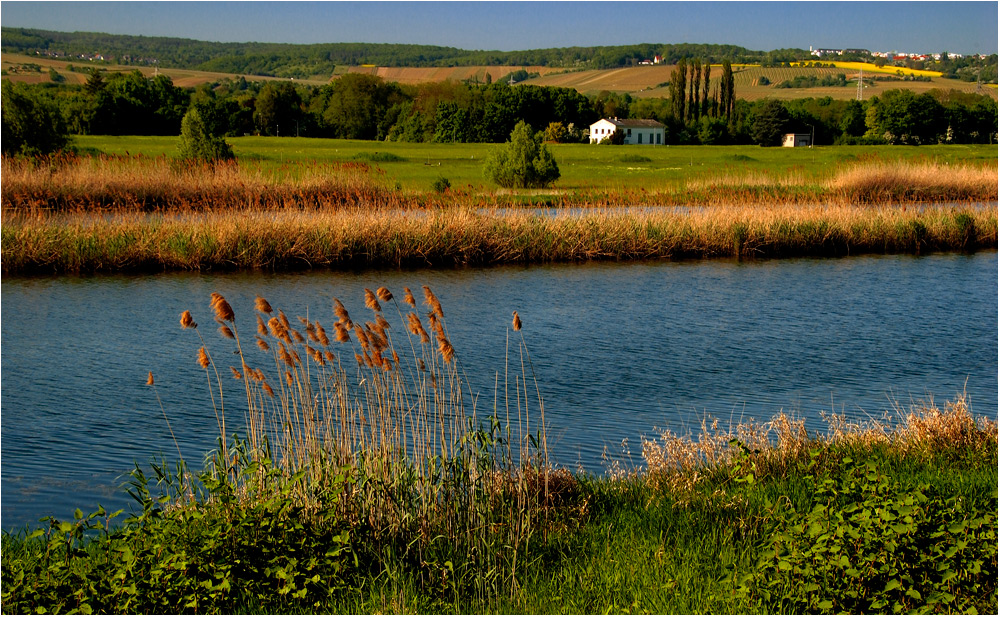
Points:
(366, 480)
(286, 240)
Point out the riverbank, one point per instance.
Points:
(860, 521)
(369, 479)
(292, 240)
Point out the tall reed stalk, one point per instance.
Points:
(382, 435)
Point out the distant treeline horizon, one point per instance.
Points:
(305, 60)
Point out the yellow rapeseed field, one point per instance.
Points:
(871, 68)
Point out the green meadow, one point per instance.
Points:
(584, 167)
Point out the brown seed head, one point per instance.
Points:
(329, 356)
(436, 326)
(284, 356)
(236, 374)
(223, 312)
(431, 300)
(298, 337)
(316, 356)
(261, 328)
(283, 319)
(340, 311)
(187, 321)
(263, 344)
(362, 337)
(288, 378)
(226, 332)
(267, 389)
(342, 335)
(321, 337)
(408, 297)
(517, 322)
(417, 328)
(382, 324)
(361, 360)
(149, 380)
(371, 301)
(444, 346)
(384, 294)
(261, 305)
(203, 358)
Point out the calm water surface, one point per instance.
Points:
(619, 350)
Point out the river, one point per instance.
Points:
(619, 349)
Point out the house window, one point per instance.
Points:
(640, 138)
(629, 132)
(658, 139)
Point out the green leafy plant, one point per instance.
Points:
(868, 544)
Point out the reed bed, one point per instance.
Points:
(370, 424)
(869, 181)
(71, 183)
(136, 183)
(471, 236)
(879, 181)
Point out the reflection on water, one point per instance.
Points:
(618, 349)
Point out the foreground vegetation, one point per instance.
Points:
(367, 480)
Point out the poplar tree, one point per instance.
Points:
(679, 89)
(727, 90)
(694, 106)
(706, 78)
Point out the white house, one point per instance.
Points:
(797, 140)
(636, 131)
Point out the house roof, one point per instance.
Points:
(634, 123)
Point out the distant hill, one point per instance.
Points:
(309, 61)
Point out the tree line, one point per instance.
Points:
(698, 110)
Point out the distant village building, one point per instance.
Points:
(797, 140)
(647, 132)
(819, 53)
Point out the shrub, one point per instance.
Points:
(441, 184)
(198, 142)
(523, 162)
(615, 139)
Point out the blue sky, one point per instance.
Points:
(958, 27)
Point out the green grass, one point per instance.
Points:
(583, 166)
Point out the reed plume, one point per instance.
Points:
(187, 321)
(262, 305)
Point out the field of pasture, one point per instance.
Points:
(638, 81)
(414, 167)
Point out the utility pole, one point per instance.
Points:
(861, 83)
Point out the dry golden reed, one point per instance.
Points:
(278, 241)
(70, 183)
(678, 462)
(262, 305)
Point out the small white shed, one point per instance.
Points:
(797, 140)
